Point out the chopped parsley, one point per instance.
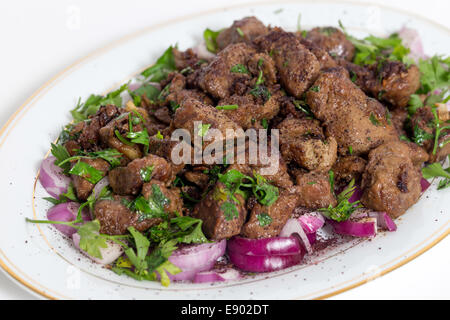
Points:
(304, 107)
(436, 170)
(228, 107)
(239, 68)
(203, 129)
(264, 123)
(146, 173)
(374, 119)
(230, 210)
(210, 37)
(315, 89)
(163, 66)
(370, 49)
(265, 193)
(93, 103)
(112, 156)
(420, 135)
(264, 219)
(148, 90)
(344, 208)
(87, 172)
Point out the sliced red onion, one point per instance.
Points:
(424, 184)
(411, 39)
(196, 258)
(363, 227)
(384, 221)
(109, 254)
(293, 226)
(311, 222)
(202, 52)
(66, 212)
(312, 237)
(264, 246)
(227, 274)
(100, 185)
(52, 178)
(264, 263)
(357, 194)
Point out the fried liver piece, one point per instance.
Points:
(347, 168)
(128, 180)
(303, 141)
(333, 41)
(357, 122)
(244, 30)
(279, 212)
(193, 110)
(83, 187)
(296, 65)
(175, 201)
(217, 79)
(222, 216)
(391, 181)
(389, 81)
(251, 110)
(315, 190)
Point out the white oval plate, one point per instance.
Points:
(49, 266)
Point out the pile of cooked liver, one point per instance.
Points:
(352, 128)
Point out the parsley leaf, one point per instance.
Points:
(203, 129)
(227, 107)
(146, 173)
(83, 110)
(163, 66)
(264, 219)
(87, 172)
(90, 239)
(419, 135)
(414, 104)
(266, 193)
(239, 68)
(344, 208)
(435, 74)
(229, 210)
(148, 90)
(112, 156)
(210, 37)
(61, 154)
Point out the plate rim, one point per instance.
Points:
(9, 125)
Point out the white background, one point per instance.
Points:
(41, 38)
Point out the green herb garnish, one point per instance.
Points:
(163, 66)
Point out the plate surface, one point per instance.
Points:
(49, 266)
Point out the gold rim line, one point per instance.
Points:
(113, 44)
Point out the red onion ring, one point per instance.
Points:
(52, 178)
(228, 274)
(293, 226)
(364, 227)
(192, 259)
(264, 263)
(264, 246)
(66, 212)
(424, 184)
